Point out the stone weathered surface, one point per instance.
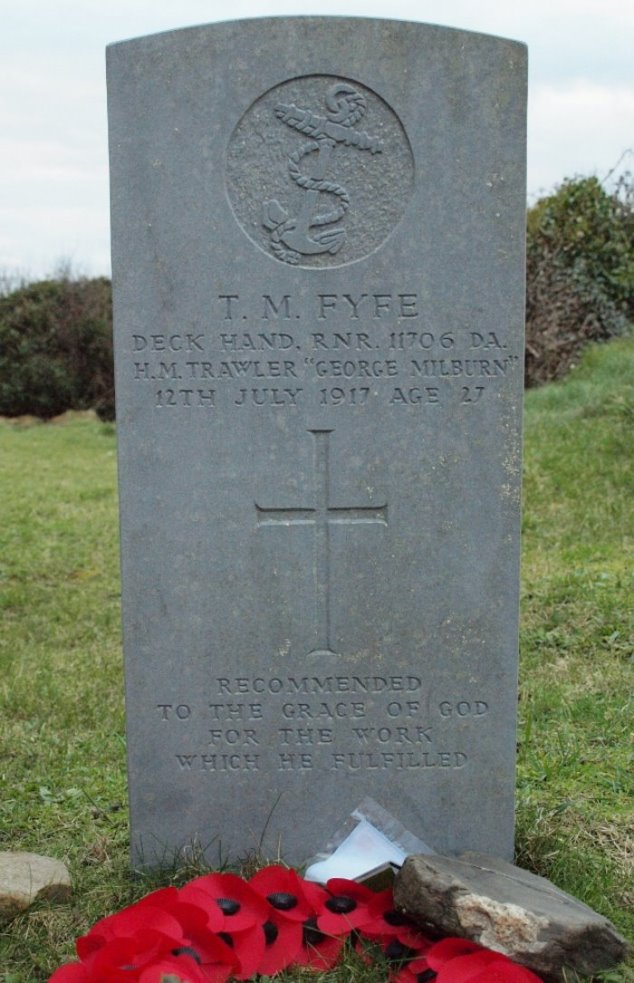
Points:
(510, 910)
(318, 230)
(29, 877)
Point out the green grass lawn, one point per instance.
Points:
(62, 754)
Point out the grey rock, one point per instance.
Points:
(29, 877)
(318, 234)
(510, 910)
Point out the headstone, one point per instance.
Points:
(318, 230)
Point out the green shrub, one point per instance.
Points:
(56, 348)
(580, 273)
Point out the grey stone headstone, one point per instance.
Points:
(318, 229)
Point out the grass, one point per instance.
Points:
(576, 757)
(62, 754)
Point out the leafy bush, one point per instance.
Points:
(56, 348)
(580, 273)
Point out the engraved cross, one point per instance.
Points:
(321, 515)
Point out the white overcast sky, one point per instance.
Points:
(53, 132)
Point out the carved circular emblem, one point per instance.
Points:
(319, 171)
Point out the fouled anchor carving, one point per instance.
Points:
(295, 236)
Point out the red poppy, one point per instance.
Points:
(203, 903)
(191, 911)
(71, 973)
(386, 922)
(139, 936)
(248, 947)
(382, 915)
(284, 891)
(447, 949)
(400, 953)
(117, 960)
(149, 913)
(247, 943)
(234, 898)
(282, 942)
(316, 895)
(282, 887)
(177, 969)
(215, 957)
(318, 951)
(503, 970)
(346, 908)
(408, 937)
(459, 961)
(416, 971)
(129, 953)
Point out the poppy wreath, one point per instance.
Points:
(220, 927)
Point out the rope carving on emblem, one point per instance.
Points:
(303, 234)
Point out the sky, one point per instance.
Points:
(53, 125)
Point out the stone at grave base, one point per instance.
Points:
(28, 877)
(510, 910)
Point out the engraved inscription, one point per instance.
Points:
(464, 708)
(357, 760)
(308, 183)
(241, 358)
(315, 685)
(320, 516)
(219, 762)
(336, 723)
(306, 735)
